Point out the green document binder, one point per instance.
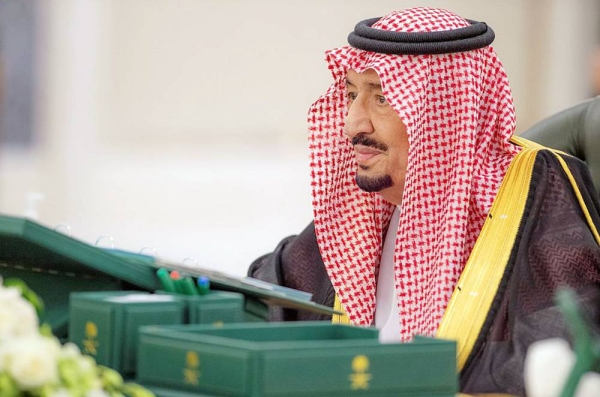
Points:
(105, 324)
(54, 265)
(292, 360)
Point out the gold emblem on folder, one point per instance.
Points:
(360, 378)
(191, 372)
(90, 344)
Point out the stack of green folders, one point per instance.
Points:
(54, 265)
(291, 359)
(105, 324)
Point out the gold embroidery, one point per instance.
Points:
(90, 344)
(360, 378)
(191, 372)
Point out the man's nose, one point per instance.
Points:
(357, 120)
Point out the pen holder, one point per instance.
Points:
(207, 306)
(105, 324)
(216, 307)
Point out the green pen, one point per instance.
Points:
(165, 280)
(187, 287)
(203, 285)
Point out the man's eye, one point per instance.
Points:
(381, 99)
(352, 96)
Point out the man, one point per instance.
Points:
(430, 218)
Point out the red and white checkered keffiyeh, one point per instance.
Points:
(459, 115)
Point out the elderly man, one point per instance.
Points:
(430, 217)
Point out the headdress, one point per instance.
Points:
(459, 115)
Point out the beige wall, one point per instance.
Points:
(181, 124)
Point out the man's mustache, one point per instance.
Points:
(363, 139)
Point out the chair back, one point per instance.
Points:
(576, 131)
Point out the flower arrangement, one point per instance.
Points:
(33, 363)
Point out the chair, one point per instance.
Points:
(576, 131)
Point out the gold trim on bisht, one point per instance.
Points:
(472, 298)
(584, 208)
(339, 318)
(524, 142)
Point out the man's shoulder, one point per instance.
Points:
(536, 158)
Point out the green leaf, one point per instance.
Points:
(135, 390)
(8, 387)
(27, 293)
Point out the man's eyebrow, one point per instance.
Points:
(370, 85)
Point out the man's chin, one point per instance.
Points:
(375, 183)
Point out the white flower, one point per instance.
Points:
(27, 322)
(38, 363)
(32, 361)
(70, 350)
(9, 293)
(86, 364)
(547, 367)
(7, 322)
(17, 316)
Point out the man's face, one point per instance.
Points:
(378, 136)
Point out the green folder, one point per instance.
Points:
(294, 359)
(54, 265)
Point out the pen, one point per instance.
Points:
(203, 285)
(187, 287)
(175, 277)
(165, 280)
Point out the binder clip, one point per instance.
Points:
(109, 238)
(64, 226)
(153, 251)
